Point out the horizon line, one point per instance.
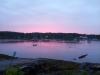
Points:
(53, 32)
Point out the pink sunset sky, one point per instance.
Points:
(66, 16)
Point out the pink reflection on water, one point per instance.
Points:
(55, 50)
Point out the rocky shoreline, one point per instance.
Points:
(47, 66)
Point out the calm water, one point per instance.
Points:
(55, 50)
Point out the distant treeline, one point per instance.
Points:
(51, 36)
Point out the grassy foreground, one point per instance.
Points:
(51, 67)
(54, 67)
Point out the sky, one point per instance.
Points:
(66, 16)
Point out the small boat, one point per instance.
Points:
(34, 44)
(83, 56)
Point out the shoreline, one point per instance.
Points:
(48, 65)
(8, 58)
(43, 40)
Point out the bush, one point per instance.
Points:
(14, 71)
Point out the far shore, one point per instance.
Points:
(12, 40)
(42, 40)
(32, 40)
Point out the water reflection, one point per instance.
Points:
(55, 50)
